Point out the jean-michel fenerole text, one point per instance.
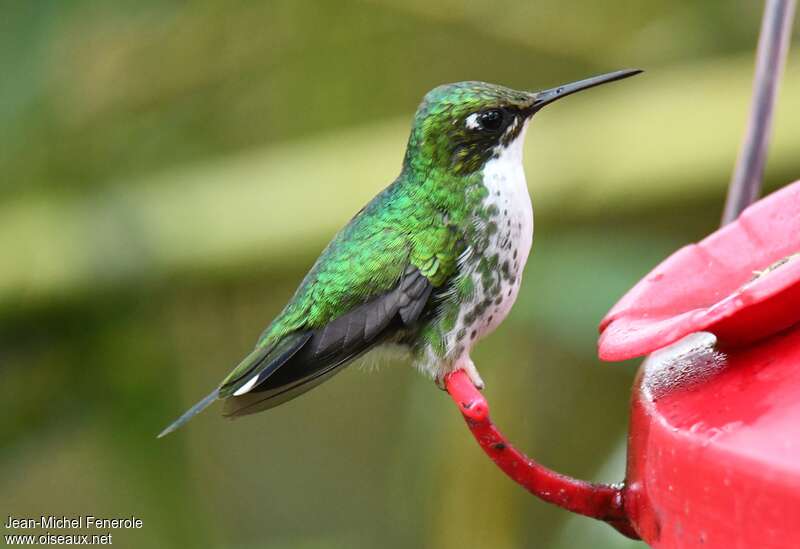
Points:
(75, 522)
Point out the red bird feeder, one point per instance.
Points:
(714, 442)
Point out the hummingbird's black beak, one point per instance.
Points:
(545, 97)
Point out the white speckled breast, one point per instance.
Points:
(504, 179)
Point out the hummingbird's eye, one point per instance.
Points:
(491, 120)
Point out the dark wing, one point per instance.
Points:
(326, 350)
(301, 360)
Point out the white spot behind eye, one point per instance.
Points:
(472, 121)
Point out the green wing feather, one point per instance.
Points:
(367, 258)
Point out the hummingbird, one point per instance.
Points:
(432, 264)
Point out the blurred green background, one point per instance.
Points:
(171, 169)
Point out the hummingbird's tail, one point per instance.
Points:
(190, 413)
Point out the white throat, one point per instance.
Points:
(504, 178)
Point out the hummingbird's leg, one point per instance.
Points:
(469, 367)
(465, 363)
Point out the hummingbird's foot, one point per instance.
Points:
(469, 367)
(474, 376)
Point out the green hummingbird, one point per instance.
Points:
(432, 264)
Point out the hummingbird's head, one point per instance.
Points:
(459, 127)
